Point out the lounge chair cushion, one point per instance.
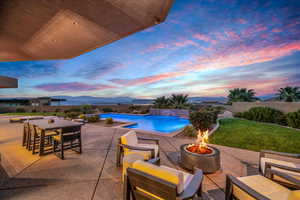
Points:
(152, 146)
(129, 138)
(186, 177)
(262, 185)
(173, 176)
(281, 162)
(295, 195)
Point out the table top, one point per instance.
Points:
(57, 124)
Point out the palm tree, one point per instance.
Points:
(242, 95)
(179, 101)
(162, 102)
(289, 94)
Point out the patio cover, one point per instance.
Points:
(61, 29)
(7, 82)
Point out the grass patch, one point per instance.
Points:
(256, 136)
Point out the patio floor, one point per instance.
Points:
(93, 175)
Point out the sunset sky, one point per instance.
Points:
(204, 48)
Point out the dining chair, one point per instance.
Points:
(68, 138)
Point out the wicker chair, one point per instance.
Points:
(129, 143)
(26, 130)
(146, 181)
(281, 164)
(68, 138)
(260, 188)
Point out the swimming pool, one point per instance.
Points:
(163, 124)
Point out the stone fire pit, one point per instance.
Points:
(209, 162)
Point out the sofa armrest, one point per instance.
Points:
(230, 181)
(291, 155)
(139, 149)
(194, 186)
(154, 161)
(149, 139)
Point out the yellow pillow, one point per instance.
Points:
(295, 195)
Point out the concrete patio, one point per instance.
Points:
(93, 174)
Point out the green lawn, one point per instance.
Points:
(256, 136)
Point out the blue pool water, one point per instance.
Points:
(163, 124)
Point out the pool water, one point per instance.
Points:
(163, 124)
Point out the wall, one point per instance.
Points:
(285, 107)
(117, 108)
(170, 112)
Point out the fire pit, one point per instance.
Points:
(200, 155)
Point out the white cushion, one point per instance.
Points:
(186, 178)
(263, 162)
(152, 146)
(263, 186)
(129, 138)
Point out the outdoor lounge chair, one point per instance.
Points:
(260, 188)
(129, 143)
(68, 138)
(285, 166)
(146, 181)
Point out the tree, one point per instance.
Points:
(289, 94)
(242, 95)
(162, 102)
(179, 101)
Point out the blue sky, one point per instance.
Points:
(204, 48)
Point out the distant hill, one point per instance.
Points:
(80, 100)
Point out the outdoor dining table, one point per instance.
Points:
(46, 125)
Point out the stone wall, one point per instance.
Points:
(170, 112)
(285, 107)
(116, 108)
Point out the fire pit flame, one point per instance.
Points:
(200, 146)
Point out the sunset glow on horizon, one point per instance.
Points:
(205, 48)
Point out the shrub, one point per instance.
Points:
(109, 120)
(20, 110)
(265, 114)
(72, 115)
(107, 110)
(34, 111)
(202, 120)
(190, 131)
(57, 110)
(238, 115)
(145, 111)
(293, 119)
(82, 116)
(134, 108)
(87, 109)
(93, 118)
(78, 110)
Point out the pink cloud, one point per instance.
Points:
(185, 43)
(147, 79)
(72, 87)
(155, 47)
(205, 38)
(232, 35)
(240, 56)
(276, 30)
(242, 21)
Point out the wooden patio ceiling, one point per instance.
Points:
(7, 82)
(61, 29)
